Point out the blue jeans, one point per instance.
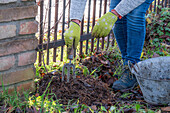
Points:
(130, 32)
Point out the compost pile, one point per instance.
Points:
(88, 90)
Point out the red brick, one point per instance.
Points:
(10, 89)
(27, 58)
(18, 76)
(17, 13)
(28, 85)
(28, 27)
(6, 1)
(7, 31)
(7, 62)
(17, 46)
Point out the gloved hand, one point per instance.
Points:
(104, 25)
(73, 33)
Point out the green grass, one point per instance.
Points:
(46, 105)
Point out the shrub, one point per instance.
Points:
(158, 24)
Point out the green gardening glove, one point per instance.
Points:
(104, 25)
(73, 33)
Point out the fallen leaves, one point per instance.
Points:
(103, 65)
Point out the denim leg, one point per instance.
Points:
(120, 33)
(120, 30)
(136, 32)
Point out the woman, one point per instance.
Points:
(128, 18)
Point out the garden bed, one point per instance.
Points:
(94, 89)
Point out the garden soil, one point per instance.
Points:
(88, 90)
(94, 89)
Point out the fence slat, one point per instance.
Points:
(81, 43)
(154, 5)
(102, 42)
(166, 3)
(93, 23)
(41, 28)
(108, 40)
(162, 3)
(158, 5)
(55, 28)
(100, 11)
(105, 6)
(49, 28)
(63, 26)
(88, 25)
(69, 13)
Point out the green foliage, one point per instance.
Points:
(158, 24)
(98, 68)
(125, 95)
(137, 106)
(85, 71)
(157, 34)
(103, 109)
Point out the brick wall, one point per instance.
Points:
(17, 44)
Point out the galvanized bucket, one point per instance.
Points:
(153, 76)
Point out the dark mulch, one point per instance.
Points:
(92, 90)
(88, 90)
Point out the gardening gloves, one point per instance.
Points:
(104, 25)
(72, 34)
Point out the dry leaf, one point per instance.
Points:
(155, 55)
(10, 109)
(158, 111)
(37, 94)
(165, 108)
(94, 107)
(66, 112)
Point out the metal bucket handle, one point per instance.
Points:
(132, 67)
